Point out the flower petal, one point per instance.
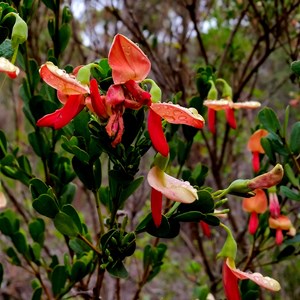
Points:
(211, 116)
(265, 282)
(230, 117)
(230, 283)
(61, 117)
(62, 81)
(257, 203)
(156, 134)
(98, 101)
(176, 114)
(254, 144)
(156, 206)
(7, 67)
(217, 104)
(174, 189)
(246, 104)
(127, 61)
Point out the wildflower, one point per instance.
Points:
(71, 93)
(256, 148)
(7, 67)
(255, 205)
(172, 188)
(172, 113)
(225, 103)
(129, 66)
(231, 275)
(274, 206)
(279, 224)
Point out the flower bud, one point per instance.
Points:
(268, 179)
(19, 32)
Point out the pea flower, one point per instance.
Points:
(279, 224)
(231, 275)
(225, 103)
(129, 66)
(7, 67)
(71, 93)
(172, 188)
(256, 148)
(172, 113)
(255, 205)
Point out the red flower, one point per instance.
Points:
(231, 275)
(256, 148)
(7, 67)
(229, 106)
(255, 205)
(70, 92)
(172, 113)
(281, 223)
(129, 66)
(172, 188)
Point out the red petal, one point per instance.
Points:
(139, 95)
(255, 161)
(205, 229)
(127, 61)
(253, 223)
(230, 284)
(176, 114)
(61, 117)
(156, 133)
(97, 101)
(211, 115)
(230, 118)
(156, 206)
(279, 236)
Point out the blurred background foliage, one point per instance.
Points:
(250, 43)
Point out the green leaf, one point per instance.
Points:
(11, 253)
(117, 269)
(37, 187)
(78, 271)
(290, 175)
(294, 240)
(3, 144)
(58, 279)
(71, 211)
(295, 66)
(85, 173)
(168, 228)
(67, 194)
(286, 252)
(78, 246)
(295, 139)
(20, 242)
(64, 36)
(212, 220)
(37, 230)
(269, 120)
(128, 191)
(39, 143)
(9, 222)
(46, 206)
(266, 144)
(191, 216)
(289, 193)
(37, 294)
(65, 224)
